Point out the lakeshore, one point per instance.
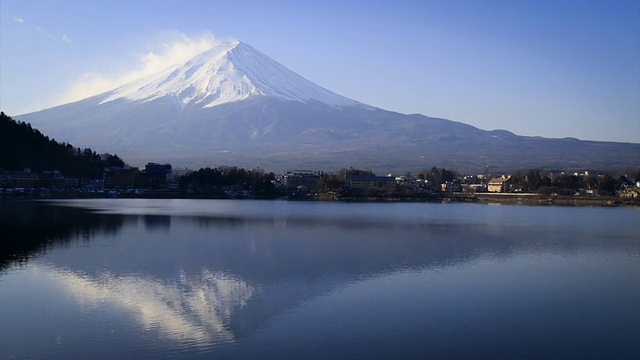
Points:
(487, 198)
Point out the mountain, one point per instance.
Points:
(233, 105)
(226, 73)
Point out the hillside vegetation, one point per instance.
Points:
(22, 146)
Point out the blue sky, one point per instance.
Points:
(539, 68)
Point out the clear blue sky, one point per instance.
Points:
(548, 68)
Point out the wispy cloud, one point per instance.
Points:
(42, 30)
(167, 54)
(46, 33)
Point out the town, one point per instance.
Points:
(162, 180)
(33, 165)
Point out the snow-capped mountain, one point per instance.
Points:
(233, 105)
(228, 72)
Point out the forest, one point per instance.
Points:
(23, 147)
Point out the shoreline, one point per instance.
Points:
(482, 198)
(560, 200)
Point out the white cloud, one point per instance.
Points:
(46, 33)
(42, 30)
(168, 54)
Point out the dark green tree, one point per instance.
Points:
(22, 146)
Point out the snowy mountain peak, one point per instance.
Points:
(228, 72)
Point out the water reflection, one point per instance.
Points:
(277, 241)
(218, 272)
(157, 222)
(194, 308)
(28, 228)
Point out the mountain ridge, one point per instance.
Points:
(234, 105)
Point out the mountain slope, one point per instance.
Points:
(234, 105)
(226, 73)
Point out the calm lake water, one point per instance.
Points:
(131, 279)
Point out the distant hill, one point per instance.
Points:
(233, 105)
(22, 146)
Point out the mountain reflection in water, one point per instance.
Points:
(191, 309)
(234, 278)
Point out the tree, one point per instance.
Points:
(607, 185)
(26, 147)
(567, 184)
(330, 183)
(215, 180)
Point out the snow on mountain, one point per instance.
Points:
(228, 72)
(233, 105)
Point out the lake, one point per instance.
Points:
(235, 279)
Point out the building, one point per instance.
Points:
(451, 187)
(630, 193)
(72, 182)
(155, 176)
(52, 179)
(120, 178)
(22, 179)
(498, 185)
(300, 179)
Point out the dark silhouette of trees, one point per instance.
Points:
(330, 182)
(607, 185)
(22, 146)
(529, 181)
(567, 184)
(215, 180)
(435, 177)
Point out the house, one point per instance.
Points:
(451, 187)
(630, 193)
(498, 185)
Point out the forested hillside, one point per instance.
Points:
(22, 146)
